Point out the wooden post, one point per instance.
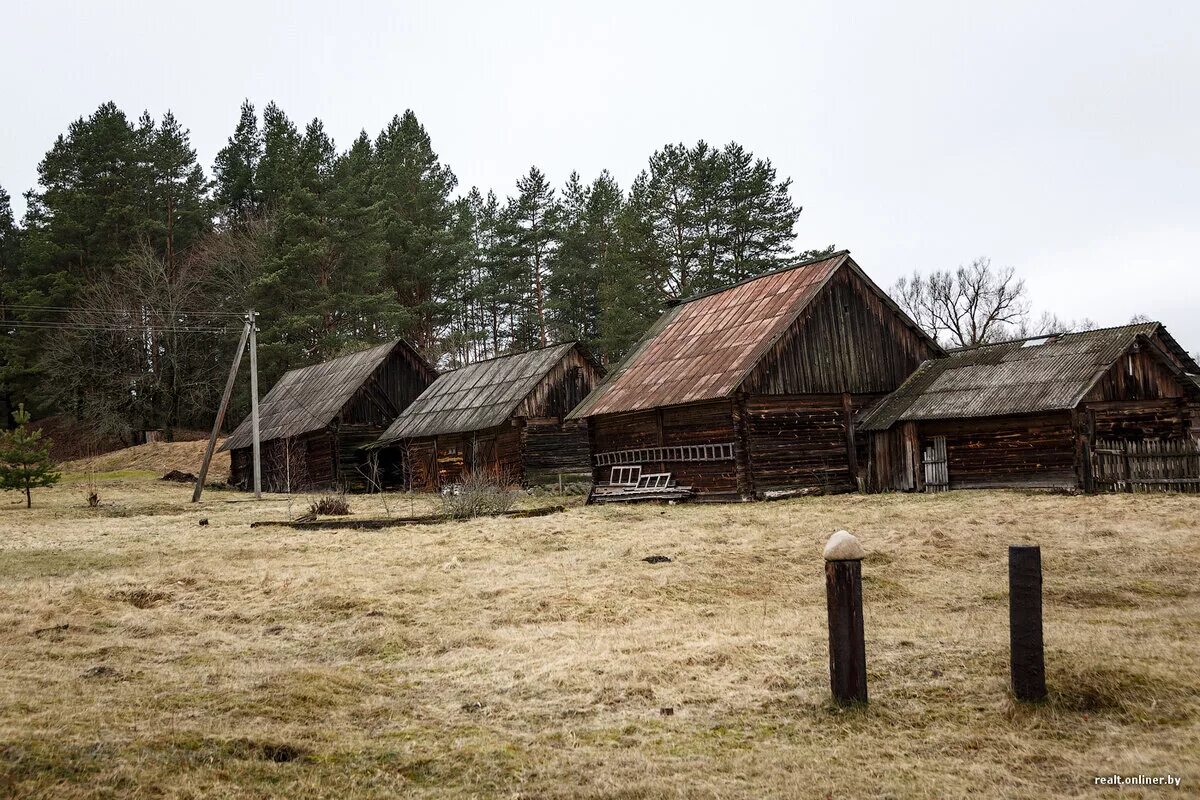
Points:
(851, 445)
(1027, 660)
(252, 320)
(216, 430)
(843, 596)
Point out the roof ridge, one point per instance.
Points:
(512, 355)
(806, 263)
(388, 344)
(968, 347)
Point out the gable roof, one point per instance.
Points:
(309, 398)
(1047, 373)
(477, 396)
(703, 347)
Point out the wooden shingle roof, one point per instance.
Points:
(477, 396)
(704, 347)
(1048, 373)
(309, 398)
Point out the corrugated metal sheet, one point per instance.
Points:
(1018, 377)
(702, 348)
(480, 395)
(309, 398)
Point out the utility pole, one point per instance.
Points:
(252, 323)
(216, 430)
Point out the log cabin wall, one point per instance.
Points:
(1028, 451)
(307, 461)
(804, 441)
(710, 422)
(430, 463)
(552, 448)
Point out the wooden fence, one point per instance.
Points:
(1153, 465)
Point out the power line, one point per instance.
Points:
(108, 327)
(119, 312)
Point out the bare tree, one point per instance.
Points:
(1049, 324)
(972, 305)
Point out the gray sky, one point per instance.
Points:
(1060, 138)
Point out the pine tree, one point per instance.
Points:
(532, 226)
(25, 462)
(497, 285)
(631, 294)
(413, 189)
(180, 208)
(300, 316)
(357, 291)
(275, 176)
(716, 216)
(666, 195)
(237, 194)
(759, 216)
(10, 292)
(90, 210)
(588, 241)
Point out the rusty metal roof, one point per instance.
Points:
(477, 396)
(703, 347)
(1048, 373)
(309, 398)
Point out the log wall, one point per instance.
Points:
(1032, 451)
(552, 448)
(699, 423)
(803, 441)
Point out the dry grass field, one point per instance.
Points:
(142, 655)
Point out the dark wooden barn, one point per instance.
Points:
(504, 415)
(751, 391)
(1095, 410)
(315, 420)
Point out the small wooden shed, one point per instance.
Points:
(1094, 410)
(504, 415)
(751, 391)
(315, 420)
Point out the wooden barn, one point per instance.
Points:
(504, 415)
(1098, 410)
(315, 420)
(751, 391)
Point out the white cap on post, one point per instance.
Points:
(844, 546)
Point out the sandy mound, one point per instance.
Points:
(159, 457)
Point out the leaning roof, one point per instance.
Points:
(704, 347)
(1048, 373)
(477, 396)
(309, 398)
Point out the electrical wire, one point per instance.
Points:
(160, 312)
(109, 327)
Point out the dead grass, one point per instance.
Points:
(155, 457)
(144, 656)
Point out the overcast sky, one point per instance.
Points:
(1060, 138)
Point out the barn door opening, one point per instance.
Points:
(936, 464)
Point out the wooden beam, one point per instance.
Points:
(851, 449)
(216, 430)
